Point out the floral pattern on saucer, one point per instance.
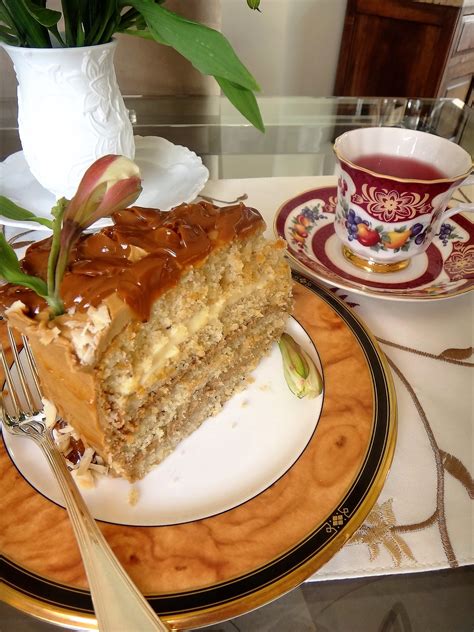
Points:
(446, 269)
(303, 224)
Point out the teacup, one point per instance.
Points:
(384, 220)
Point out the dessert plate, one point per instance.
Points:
(251, 443)
(446, 269)
(171, 174)
(206, 570)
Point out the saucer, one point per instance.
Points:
(444, 270)
(171, 174)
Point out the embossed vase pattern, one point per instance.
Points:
(70, 112)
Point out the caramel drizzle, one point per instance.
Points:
(142, 255)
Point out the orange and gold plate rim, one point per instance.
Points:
(355, 369)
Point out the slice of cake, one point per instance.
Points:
(166, 316)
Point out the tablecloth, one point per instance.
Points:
(423, 518)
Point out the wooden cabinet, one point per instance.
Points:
(404, 48)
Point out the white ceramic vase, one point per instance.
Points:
(70, 112)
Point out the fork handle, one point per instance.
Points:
(118, 604)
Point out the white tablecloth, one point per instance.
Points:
(423, 519)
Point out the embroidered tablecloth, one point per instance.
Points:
(423, 519)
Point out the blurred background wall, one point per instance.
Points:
(291, 47)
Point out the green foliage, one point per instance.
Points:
(12, 211)
(29, 23)
(254, 4)
(300, 372)
(10, 268)
(11, 271)
(243, 100)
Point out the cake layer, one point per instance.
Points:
(212, 300)
(167, 416)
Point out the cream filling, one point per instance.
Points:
(166, 346)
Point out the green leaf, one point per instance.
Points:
(54, 31)
(80, 35)
(71, 13)
(103, 20)
(244, 100)
(7, 36)
(5, 17)
(10, 270)
(111, 28)
(45, 17)
(12, 211)
(137, 33)
(207, 49)
(31, 32)
(128, 19)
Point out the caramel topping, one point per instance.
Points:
(106, 262)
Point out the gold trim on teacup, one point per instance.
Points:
(369, 265)
(387, 177)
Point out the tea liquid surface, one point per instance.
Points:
(399, 167)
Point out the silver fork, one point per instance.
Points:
(118, 604)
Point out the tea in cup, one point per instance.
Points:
(394, 186)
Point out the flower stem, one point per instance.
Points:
(56, 305)
(53, 299)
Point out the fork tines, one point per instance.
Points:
(22, 382)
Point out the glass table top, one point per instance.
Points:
(300, 131)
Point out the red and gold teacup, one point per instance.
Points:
(382, 219)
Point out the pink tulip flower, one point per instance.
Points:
(109, 184)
